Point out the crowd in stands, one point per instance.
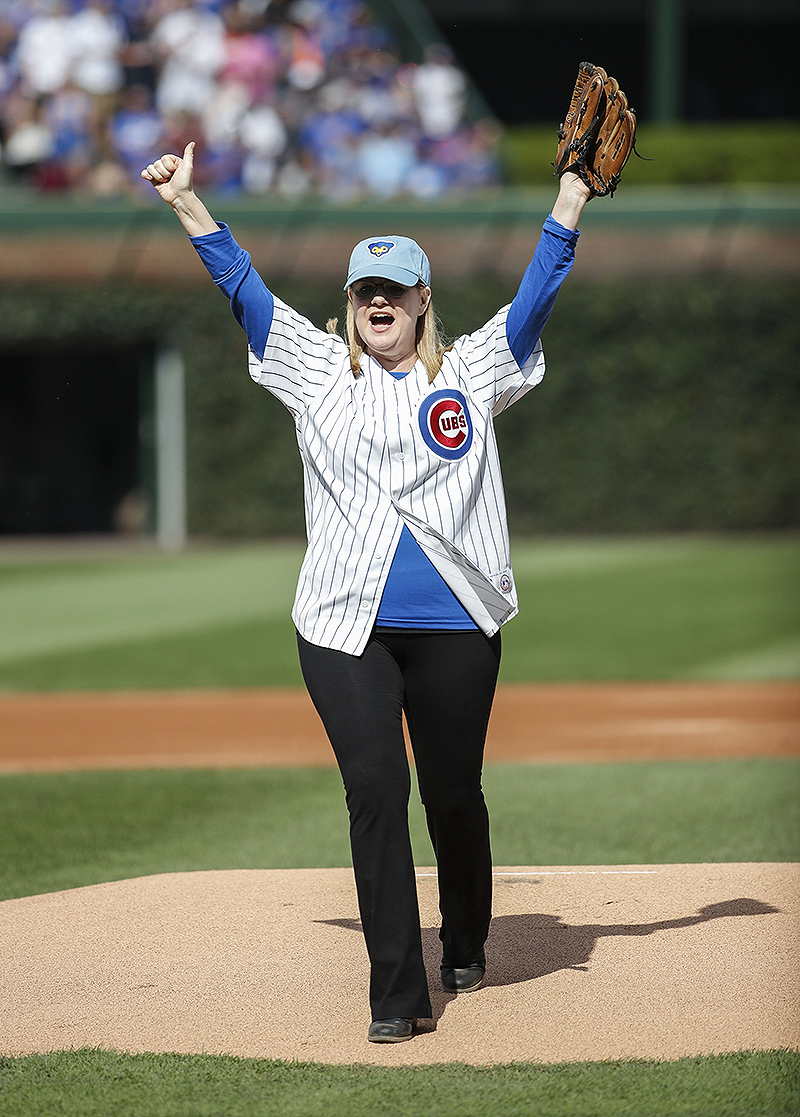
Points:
(284, 96)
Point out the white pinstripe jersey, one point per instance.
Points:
(372, 464)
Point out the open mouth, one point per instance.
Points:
(381, 320)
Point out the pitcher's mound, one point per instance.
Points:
(652, 961)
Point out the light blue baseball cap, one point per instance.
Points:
(397, 258)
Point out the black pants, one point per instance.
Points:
(445, 682)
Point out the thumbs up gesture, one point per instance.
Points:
(172, 176)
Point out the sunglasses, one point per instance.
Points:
(366, 289)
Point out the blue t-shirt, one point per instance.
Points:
(416, 595)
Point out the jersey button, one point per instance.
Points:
(401, 457)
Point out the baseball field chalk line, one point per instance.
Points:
(574, 873)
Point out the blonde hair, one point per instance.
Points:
(431, 342)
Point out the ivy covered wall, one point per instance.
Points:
(667, 404)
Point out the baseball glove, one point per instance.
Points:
(598, 133)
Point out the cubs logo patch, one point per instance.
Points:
(380, 247)
(445, 424)
(505, 582)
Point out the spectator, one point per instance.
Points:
(480, 164)
(386, 161)
(191, 44)
(136, 128)
(264, 139)
(44, 49)
(98, 36)
(440, 93)
(282, 95)
(222, 115)
(108, 178)
(329, 142)
(139, 57)
(72, 116)
(29, 140)
(251, 60)
(302, 47)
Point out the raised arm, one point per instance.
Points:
(288, 354)
(551, 263)
(173, 178)
(228, 264)
(573, 195)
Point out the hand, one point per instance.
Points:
(573, 194)
(172, 177)
(572, 187)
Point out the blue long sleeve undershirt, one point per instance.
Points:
(534, 300)
(231, 269)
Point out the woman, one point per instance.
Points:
(407, 579)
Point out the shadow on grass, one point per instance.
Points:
(525, 947)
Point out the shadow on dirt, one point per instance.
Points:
(524, 947)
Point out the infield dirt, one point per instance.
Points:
(251, 728)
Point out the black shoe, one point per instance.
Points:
(394, 1030)
(462, 979)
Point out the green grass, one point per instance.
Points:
(674, 608)
(72, 605)
(689, 607)
(640, 813)
(67, 830)
(110, 1084)
(240, 654)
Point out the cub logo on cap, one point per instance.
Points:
(380, 247)
(445, 424)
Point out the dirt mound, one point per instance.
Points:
(657, 961)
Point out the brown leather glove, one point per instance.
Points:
(598, 133)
